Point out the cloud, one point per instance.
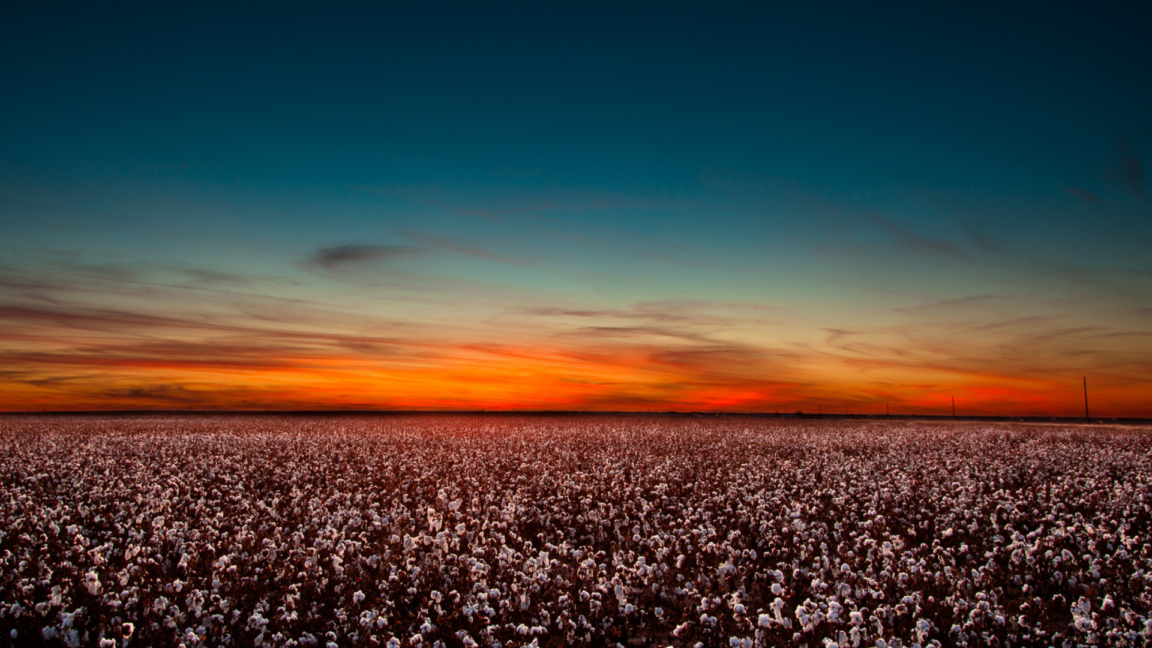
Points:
(479, 253)
(913, 241)
(334, 258)
(98, 318)
(834, 335)
(151, 345)
(1083, 194)
(982, 302)
(199, 275)
(667, 312)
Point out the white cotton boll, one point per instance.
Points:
(393, 643)
(659, 612)
(734, 642)
(629, 608)
(776, 589)
(738, 608)
(856, 617)
(764, 621)
(358, 597)
(834, 609)
(92, 583)
(107, 643)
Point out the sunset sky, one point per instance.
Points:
(581, 206)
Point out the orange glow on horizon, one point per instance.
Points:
(469, 377)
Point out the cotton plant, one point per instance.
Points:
(485, 531)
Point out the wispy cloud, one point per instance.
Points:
(106, 341)
(205, 276)
(452, 245)
(915, 242)
(1083, 194)
(340, 256)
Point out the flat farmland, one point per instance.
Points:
(458, 530)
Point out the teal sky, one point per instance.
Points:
(739, 206)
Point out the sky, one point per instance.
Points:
(844, 207)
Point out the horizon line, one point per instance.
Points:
(697, 413)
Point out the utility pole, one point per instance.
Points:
(953, 407)
(1086, 417)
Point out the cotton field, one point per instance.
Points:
(554, 531)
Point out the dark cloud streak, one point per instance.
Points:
(334, 258)
(1083, 194)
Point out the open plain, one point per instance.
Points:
(465, 530)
